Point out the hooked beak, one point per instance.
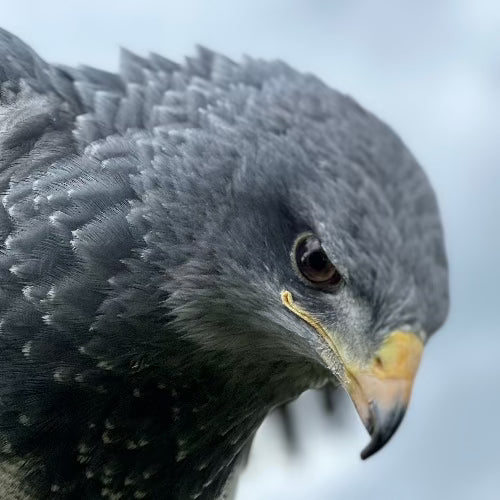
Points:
(381, 391)
(381, 388)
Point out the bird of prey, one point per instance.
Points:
(184, 247)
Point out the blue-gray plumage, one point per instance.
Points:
(184, 247)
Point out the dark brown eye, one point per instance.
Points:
(313, 263)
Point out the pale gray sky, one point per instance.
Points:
(431, 70)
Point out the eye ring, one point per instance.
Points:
(312, 264)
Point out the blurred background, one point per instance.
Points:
(431, 69)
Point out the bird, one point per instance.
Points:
(185, 247)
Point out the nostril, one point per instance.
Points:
(378, 362)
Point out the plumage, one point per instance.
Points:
(146, 225)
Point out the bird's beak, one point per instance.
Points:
(381, 390)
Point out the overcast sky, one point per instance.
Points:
(432, 71)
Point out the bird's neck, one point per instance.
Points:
(183, 430)
(174, 429)
(217, 414)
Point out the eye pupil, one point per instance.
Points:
(318, 261)
(313, 263)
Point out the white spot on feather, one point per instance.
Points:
(106, 438)
(24, 420)
(108, 424)
(8, 242)
(83, 448)
(27, 291)
(93, 148)
(148, 474)
(37, 200)
(47, 319)
(112, 495)
(26, 349)
(6, 447)
(131, 445)
(235, 440)
(83, 459)
(59, 375)
(208, 483)
(14, 270)
(108, 471)
(54, 218)
(183, 452)
(105, 365)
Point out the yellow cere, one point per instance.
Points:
(399, 356)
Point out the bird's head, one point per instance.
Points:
(319, 244)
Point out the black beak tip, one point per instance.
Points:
(382, 426)
(373, 446)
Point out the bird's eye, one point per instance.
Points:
(313, 263)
